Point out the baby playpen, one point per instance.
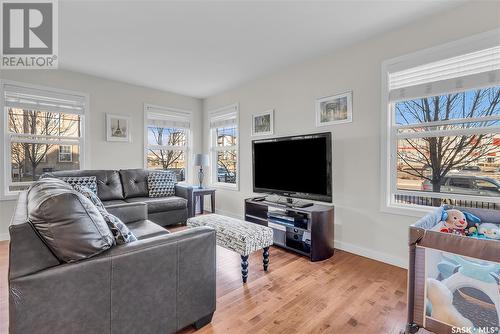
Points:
(453, 280)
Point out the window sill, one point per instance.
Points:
(226, 186)
(10, 197)
(406, 210)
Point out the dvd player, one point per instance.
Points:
(286, 216)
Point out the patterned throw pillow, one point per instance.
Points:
(118, 228)
(161, 184)
(87, 181)
(120, 231)
(87, 192)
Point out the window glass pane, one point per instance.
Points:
(167, 136)
(30, 160)
(462, 163)
(466, 165)
(172, 160)
(226, 136)
(226, 166)
(43, 123)
(473, 103)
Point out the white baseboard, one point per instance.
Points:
(229, 214)
(372, 254)
(4, 236)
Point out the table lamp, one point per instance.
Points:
(201, 160)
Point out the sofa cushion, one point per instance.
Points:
(113, 202)
(146, 229)
(161, 204)
(161, 184)
(68, 222)
(109, 184)
(135, 182)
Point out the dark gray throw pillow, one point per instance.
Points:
(68, 222)
(120, 231)
(161, 184)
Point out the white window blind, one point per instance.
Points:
(225, 117)
(45, 100)
(168, 118)
(469, 71)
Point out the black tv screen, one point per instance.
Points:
(298, 166)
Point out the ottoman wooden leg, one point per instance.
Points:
(265, 259)
(244, 267)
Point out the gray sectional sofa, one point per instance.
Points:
(160, 283)
(116, 187)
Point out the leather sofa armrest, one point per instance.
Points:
(129, 212)
(171, 277)
(186, 191)
(179, 269)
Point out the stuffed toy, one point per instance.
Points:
(490, 231)
(457, 222)
(441, 299)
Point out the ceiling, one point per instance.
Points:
(202, 48)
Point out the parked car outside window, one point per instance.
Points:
(467, 185)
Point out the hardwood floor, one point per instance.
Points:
(345, 294)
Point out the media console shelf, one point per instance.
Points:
(307, 231)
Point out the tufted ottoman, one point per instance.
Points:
(239, 236)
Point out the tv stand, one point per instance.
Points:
(305, 230)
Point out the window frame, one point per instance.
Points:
(186, 149)
(65, 153)
(5, 151)
(221, 114)
(388, 141)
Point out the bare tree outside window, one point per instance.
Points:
(163, 152)
(432, 163)
(227, 141)
(28, 153)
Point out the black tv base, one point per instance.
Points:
(305, 230)
(285, 201)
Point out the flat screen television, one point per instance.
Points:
(296, 166)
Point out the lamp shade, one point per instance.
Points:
(201, 160)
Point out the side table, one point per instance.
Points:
(199, 194)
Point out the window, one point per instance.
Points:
(65, 153)
(44, 131)
(443, 131)
(167, 140)
(224, 146)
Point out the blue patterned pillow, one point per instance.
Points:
(118, 228)
(87, 181)
(87, 192)
(161, 184)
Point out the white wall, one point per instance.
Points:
(107, 96)
(360, 226)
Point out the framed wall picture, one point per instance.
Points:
(117, 128)
(335, 109)
(263, 123)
